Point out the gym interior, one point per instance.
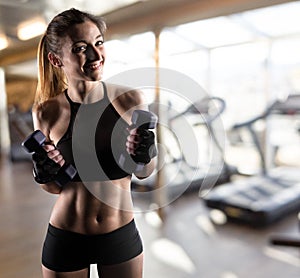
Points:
(225, 83)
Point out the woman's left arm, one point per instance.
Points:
(141, 143)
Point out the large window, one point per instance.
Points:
(249, 59)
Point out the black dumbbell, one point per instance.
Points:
(143, 120)
(34, 144)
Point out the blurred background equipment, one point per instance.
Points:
(261, 199)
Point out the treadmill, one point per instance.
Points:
(261, 199)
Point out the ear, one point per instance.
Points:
(54, 60)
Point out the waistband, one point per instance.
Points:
(115, 233)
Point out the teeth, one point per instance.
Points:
(95, 66)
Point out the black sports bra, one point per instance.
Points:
(101, 120)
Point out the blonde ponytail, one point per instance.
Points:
(51, 80)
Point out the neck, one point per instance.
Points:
(86, 92)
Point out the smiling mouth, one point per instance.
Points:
(95, 66)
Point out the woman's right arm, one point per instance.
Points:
(42, 123)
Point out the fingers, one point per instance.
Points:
(132, 141)
(54, 154)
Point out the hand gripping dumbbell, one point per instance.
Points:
(142, 120)
(61, 175)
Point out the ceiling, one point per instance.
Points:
(122, 17)
(15, 12)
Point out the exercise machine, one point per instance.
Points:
(184, 175)
(266, 197)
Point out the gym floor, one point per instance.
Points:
(186, 244)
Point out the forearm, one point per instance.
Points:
(47, 183)
(51, 187)
(147, 169)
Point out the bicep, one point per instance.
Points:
(141, 101)
(136, 100)
(40, 124)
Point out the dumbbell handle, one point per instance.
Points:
(140, 119)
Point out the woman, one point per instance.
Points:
(87, 228)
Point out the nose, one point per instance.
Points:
(93, 53)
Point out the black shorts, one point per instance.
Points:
(66, 251)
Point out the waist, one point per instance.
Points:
(93, 207)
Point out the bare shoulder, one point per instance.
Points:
(46, 115)
(126, 98)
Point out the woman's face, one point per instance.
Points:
(83, 53)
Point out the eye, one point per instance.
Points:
(79, 48)
(100, 42)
